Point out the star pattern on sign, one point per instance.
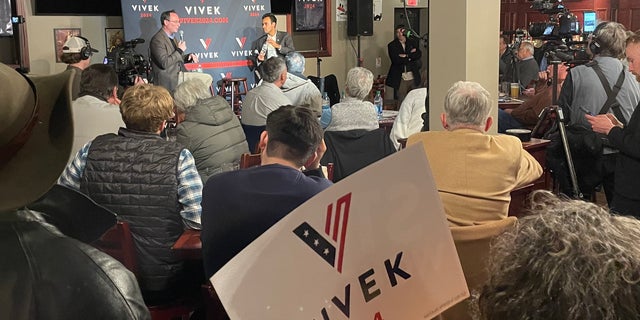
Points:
(316, 242)
(306, 233)
(326, 251)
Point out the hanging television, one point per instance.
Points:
(77, 8)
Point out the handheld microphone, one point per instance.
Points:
(181, 35)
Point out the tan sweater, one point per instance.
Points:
(475, 172)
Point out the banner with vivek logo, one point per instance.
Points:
(219, 32)
(374, 246)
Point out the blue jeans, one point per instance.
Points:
(507, 121)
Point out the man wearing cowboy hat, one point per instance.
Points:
(151, 183)
(45, 274)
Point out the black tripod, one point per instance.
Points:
(553, 59)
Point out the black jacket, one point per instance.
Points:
(352, 150)
(411, 61)
(46, 275)
(134, 174)
(627, 141)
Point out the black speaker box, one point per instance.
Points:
(281, 6)
(359, 18)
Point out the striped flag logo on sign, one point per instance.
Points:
(331, 249)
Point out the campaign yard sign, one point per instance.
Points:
(374, 246)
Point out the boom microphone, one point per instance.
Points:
(181, 35)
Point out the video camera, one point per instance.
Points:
(127, 63)
(561, 23)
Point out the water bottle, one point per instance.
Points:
(200, 68)
(377, 102)
(325, 119)
(342, 96)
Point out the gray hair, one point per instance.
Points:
(188, 93)
(295, 62)
(570, 260)
(612, 37)
(272, 69)
(527, 46)
(359, 82)
(467, 103)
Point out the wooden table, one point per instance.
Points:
(510, 104)
(538, 149)
(189, 245)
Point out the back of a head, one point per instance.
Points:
(569, 260)
(295, 62)
(272, 69)
(611, 39)
(98, 80)
(144, 107)
(528, 47)
(467, 103)
(189, 92)
(359, 82)
(294, 134)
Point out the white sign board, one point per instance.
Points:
(374, 246)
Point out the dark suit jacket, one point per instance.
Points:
(166, 61)
(412, 61)
(282, 38)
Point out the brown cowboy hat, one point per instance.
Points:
(36, 134)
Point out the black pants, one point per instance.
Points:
(625, 206)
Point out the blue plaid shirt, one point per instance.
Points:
(189, 183)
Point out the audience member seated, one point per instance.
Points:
(527, 67)
(266, 97)
(570, 260)
(526, 114)
(210, 130)
(151, 183)
(354, 112)
(96, 111)
(352, 150)
(76, 53)
(301, 91)
(409, 118)
(474, 172)
(45, 274)
(238, 206)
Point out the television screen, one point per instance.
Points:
(6, 26)
(548, 30)
(72, 8)
(589, 24)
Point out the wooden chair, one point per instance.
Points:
(118, 243)
(402, 142)
(472, 244)
(248, 160)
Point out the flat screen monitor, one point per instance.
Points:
(589, 21)
(548, 30)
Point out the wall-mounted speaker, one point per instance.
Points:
(359, 18)
(281, 6)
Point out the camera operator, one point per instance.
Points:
(626, 195)
(76, 53)
(584, 92)
(506, 59)
(168, 57)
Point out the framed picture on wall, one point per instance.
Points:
(60, 36)
(113, 37)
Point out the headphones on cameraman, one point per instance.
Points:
(594, 46)
(86, 52)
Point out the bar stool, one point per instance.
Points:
(234, 92)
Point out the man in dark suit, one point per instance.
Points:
(272, 43)
(168, 57)
(404, 72)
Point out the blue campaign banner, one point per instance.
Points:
(219, 32)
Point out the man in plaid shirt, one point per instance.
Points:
(151, 183)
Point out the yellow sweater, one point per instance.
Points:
(475, 172)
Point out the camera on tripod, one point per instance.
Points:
(127, 63)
